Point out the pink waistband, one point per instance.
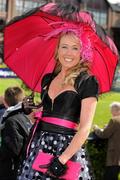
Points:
(60, 122)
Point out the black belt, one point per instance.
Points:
(43, 126)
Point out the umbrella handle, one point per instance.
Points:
(30, 99)
(36, 106)
(32, 95)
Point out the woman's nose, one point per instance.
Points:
(69, 51)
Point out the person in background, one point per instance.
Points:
(112, 133)
(14, 133)
(2, 107)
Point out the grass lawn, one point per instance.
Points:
(5, 83)
(102, 114)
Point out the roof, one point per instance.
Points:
(115, 7)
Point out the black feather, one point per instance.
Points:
(67, 9)
(25, 14)
(101, 33)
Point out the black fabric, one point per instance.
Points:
(2, 110)
(112, 172)
(88, 87)
(67, 105)
(14, 136)
(55, 128)
(56, 167)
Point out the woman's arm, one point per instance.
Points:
(87, 113)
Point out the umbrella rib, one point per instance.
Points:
(48, 22)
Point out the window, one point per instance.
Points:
(2, 5)
(99, 16)
(98, 9)
(25, 5)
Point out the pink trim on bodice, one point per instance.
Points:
(60, 122)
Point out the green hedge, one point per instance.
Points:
(97, 153)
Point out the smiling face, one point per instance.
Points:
(69, 51)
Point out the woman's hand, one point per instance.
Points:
(28, 104)
(56, 168)
(28, 101)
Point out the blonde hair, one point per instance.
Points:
(72, 72)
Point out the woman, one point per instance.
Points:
(69, 98)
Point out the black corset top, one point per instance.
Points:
(67, 104)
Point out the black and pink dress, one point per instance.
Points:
(58, 126)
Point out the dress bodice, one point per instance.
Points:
(67, 104)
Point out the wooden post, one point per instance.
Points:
(11, 11)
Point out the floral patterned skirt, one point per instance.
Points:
(54, 144)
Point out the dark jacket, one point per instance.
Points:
(14, 135)
(112, 133)
(2, 110)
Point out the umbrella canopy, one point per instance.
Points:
(29, 46)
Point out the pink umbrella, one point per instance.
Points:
(30, 41)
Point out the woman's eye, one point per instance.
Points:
(64, 47)
(75, 48)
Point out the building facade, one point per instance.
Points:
(105, 14)
(12, 8)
